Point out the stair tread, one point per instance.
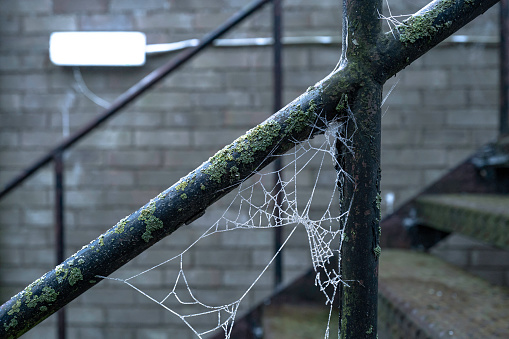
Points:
(481, 216)
(441, 298)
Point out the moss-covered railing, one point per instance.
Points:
(372, 59)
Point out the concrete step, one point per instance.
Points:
(421, 296)
(480, 216)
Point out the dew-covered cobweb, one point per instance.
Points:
(254, 206)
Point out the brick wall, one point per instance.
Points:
(443, 107)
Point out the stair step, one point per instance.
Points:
(481, 216)
(421, 296)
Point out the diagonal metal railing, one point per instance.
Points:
(55, 155)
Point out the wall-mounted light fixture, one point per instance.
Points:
(97, 48)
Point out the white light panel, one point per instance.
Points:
(97, 48)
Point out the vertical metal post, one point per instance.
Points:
(278, 90)
(361, 198)
(504, 68)
(59, 228)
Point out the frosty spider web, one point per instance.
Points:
(254, 206)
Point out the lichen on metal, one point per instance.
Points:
(424, 25)
(74, 275)
(152, 223)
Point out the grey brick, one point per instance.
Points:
(50, 23)
(34, 61)
(101, 178)
(219, 257)
(9, 139)
(134, 158)
(89, 333)
(21, 275)
(22, 82)
(400, 137)
(84, 198)
(9, 25)
(212, 139)
(163, 20)
(197, 119)
(108, 139)
(164, 101)
(472, 77)
(185, 159)
(10, 102)
(132, 5)
(34, 197)
(46, 101)
(247, 238)
(204, 277)
(118, 295)
(458, 155)
(78, 159)
(161, 178)
(400, 178)
(432, 175)
(44, 258)
(229, 99)
(162, 138)
(136, 317)
(158, 334)
(9, 62)
(471, 117)
(210, 20)
(40, 139)
(119, 198)
(424, 118)
(39, 217)
(328, 19)
(400, 98)
(230, 59)
(25, 44)
(43, 331)
(484, 97)
(296, 258)
(426, 78)
(101, 217)
(415, 157)
(210, 79)
(86, 315)
(482, 136)
(26, 7)
(300, 79)
(446, 137)
(244, 118)
(297, 58)
(245, 278)
(137, 119)
(64, 6)
(454, 98)
(114, 22)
